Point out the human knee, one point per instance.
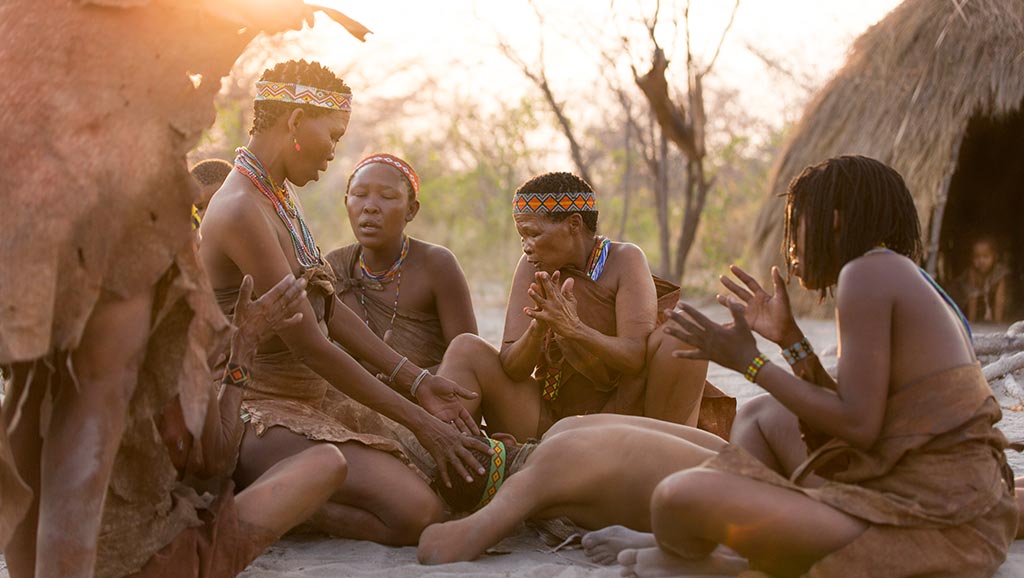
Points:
(757, 409)
(330, 463)
(686, 492)
(468, 346)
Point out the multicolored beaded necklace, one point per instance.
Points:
(380, 279)
(598, 256)
(306, 250)
(552, 378)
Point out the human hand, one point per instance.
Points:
(554, 307)
(731, 345)
(256, 320)
(441, 397)
(768, 314)
(449, 448)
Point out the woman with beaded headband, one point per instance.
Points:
(900, 471)
(307, 388)
(411, 293)
(579, 327)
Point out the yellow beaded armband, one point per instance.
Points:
(755, 367)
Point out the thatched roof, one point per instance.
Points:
(910, 85)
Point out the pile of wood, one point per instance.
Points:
(1002, 361)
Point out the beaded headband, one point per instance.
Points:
(495, 474)
(554, 202)
(393, 161)
(301, 94)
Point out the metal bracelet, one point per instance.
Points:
(394, 372)
(416, 382)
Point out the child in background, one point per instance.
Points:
(209, 175)
(985, 284)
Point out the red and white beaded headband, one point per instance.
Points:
(301, 94)
(393, 161)
(554, 202)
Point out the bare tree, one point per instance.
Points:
(683, 122)
(538, 76)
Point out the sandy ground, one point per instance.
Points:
(525, 555)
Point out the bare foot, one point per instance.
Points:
(657, 563)
(439, 542)
(603, 546)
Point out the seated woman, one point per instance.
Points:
(412, 294)
(579, 327)
(306, 389)
(906, 475)
(597, 470)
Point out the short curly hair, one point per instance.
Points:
(561, 182)
(266, 112)
(211, 171)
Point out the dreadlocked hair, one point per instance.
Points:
(874, 209)
(266, 112)
(211, 171)
(561, 182)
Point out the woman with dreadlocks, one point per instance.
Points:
(305, 388)
(903, 473)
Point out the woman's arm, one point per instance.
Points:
(523, 337)
(635, 316)
(451, 293)
(251, 243)
(253, 321)
(855, 411)
(999, 307)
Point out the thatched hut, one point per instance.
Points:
(934, 89)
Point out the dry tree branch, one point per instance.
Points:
(721, 40)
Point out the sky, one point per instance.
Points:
(455, 43)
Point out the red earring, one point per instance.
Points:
(297, 147)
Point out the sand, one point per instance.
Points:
(525, 555)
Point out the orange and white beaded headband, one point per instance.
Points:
(301, 94)
(554, 202)
(393, 161)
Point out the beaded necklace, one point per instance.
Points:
(551, 379)
(598, 256)
(380, 279)
(306, 251)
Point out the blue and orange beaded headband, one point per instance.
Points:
(301, 94)
(553, 202)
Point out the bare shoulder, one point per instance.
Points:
(627, 253)
(232, 209)
(629, 263)
(876, 276)
(435, 256)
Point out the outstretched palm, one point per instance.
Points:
(768, 314)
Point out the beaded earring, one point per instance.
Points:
(297, 147)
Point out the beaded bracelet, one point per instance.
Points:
(394, 372)
(235, 375)
(416, 382)
(800, 350)
(755, 367)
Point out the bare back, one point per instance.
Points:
(894, 324)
